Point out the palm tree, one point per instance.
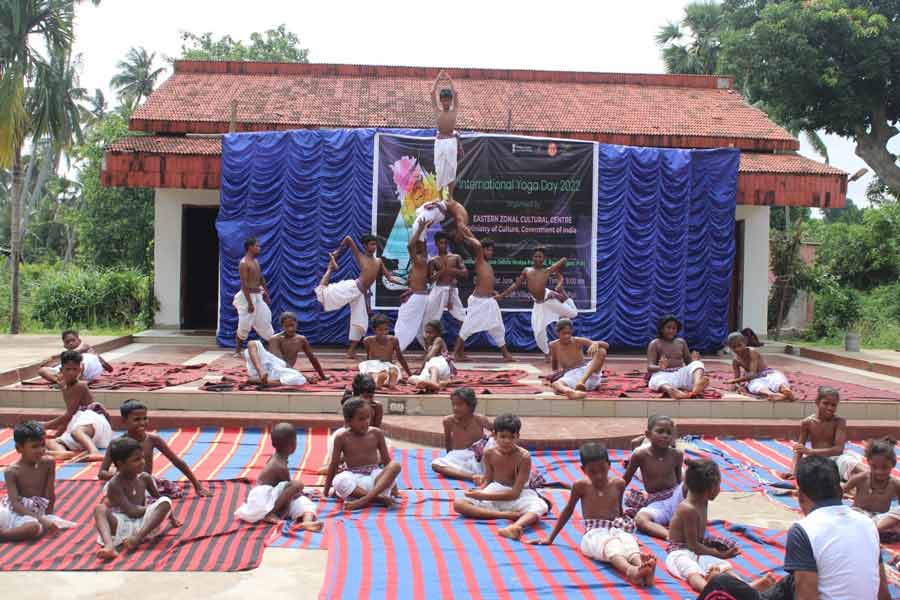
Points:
(94, 108)
(136, 77)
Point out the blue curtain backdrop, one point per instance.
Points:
(665, 233)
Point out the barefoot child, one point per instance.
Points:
(287, 345)
(252, 300)
(136, 420)
(827, 435)
(363, 386)
(380, 351)
(85, 423)
(504, 492)
(92, 364)
(674, 370)
(437, 367)
(276, 495)
(125, 519)
(573, 375)
(370, 472)
(26, 512)
(660, 465)
(444, 271)
(760, 379)
(483, 312)
(465, 439)
(876, 490)
(414, 301)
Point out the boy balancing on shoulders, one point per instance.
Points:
(464, 438)
(277, 367)
(572, 375)
(608, 534)
(759, 378)
(674, 370)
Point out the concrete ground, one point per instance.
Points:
(22, 350)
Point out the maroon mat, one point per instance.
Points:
(140, 376)
(806, 386)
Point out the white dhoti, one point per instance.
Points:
(91, 369)
(547, 312)
(483, 314)
(846, 462)
(410, 320)
(275, 368)
(445, 157)
(605, 544)
(374, 367)
(438, 298)
(346, 482)
(440, 363)
(463, 460)
(528, 501)
(771, 380)
(572, 378)
(127, 526)
(259, 320)
(37, 507)
(681, 379)
(337, 295)
(102, 430)
(430, 212)
(684, 563)
(261, 500)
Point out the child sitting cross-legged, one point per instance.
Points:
(608, 534)
(464, 436)
(275, 495)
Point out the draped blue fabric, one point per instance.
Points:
(665, 234)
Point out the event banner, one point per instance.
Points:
(521, 192)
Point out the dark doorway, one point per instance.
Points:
(199, 267)
(736, 305)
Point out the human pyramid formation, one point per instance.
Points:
(361, 471)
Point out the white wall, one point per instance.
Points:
(755, 299)
(167, 248)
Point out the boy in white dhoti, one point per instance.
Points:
(759, 378)
(92, 364)
(572, 376)
(445, 269)
(380, 351)
(266, 368)
(446, 146)
(252, 300)
(413, 305)
(674, 370)
(549, 306)
(437, 367)
(466, 437)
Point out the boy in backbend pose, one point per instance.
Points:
(26, 512)
(92, 364)
(503, 492)
(277, 367)
(355, 292)
(876, 489)
(125, 519)
(549, 306)
(673, 369)
(276, 495)
(85, 422)
(288, 344)
(827, 435)
(414, 301)
(370, 472)
(464, 438)
(444, 271)
(380, 351)
(437, 367)
(252, 300)
(760, 379)
(660, 465)
(608, 534)
(136, 421)
(573, 376)
(483, 312)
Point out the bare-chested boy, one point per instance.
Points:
(252, 300)
(26, 512)
(572, 376)
(92, 364)
(877, 490)
(464, 438)
(85, 423)
(276, 366)
(354, 292)
(660, 465)
(124, 518)
(276, 495)
(414, 303)
(380, 351)
(504, 492)
(608, 533)
(444, 270)
(437, 367)
(674, 370)
(370, 471)
(483, 312)
(549, 306)
(760, 379)
(827, 435)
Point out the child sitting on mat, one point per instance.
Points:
(369, 472)
(85, 423)
(759, 378)
(876, 490)
(437, 367)
(465, 439)
(380, 351)
(660, 465)
(26, 512)
(136, 421)
(363, 386)
(276, 496)
(572, 375)
(827, 435)
(674, 370)
(504, 492)
(608, 534)
(124, 518)
(92, 364)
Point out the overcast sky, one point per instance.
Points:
(558, 35)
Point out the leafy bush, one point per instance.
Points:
(837, 308)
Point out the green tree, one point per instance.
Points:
(878, 193)
(94, 108)
(850, 214)
(829, 65)
(136, 77)
(273, 45)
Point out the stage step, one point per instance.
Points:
(185, 337)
